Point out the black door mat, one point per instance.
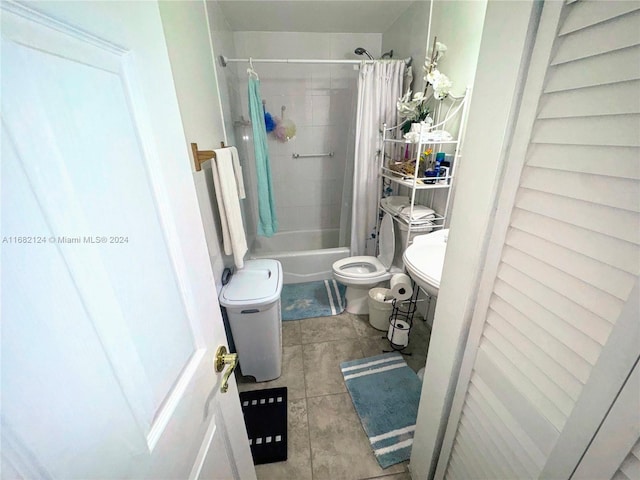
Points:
(265, 415)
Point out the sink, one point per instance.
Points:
(424, 259)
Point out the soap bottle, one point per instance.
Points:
(439, 160)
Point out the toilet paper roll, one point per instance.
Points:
(398, 333)
(400, 286)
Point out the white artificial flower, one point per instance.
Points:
(410, 107)
(418, 97)
(433, 76)
(442, 86)
(431, 63)
(405, 98)
(412, 137)
(441, 48)
(406, 111)
(428, 67)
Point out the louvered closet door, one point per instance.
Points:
(614, 452)
(555, 329)
(630, 467)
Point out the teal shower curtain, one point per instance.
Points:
(267, 221)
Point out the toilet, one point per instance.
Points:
(362, 273)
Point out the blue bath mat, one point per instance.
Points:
(313, 299)
(386, 394)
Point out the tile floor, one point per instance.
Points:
(326, 438)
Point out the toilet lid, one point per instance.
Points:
(387, 241)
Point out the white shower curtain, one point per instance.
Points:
(379, 88)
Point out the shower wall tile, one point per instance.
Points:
(341, 107)
(321, 109)
(344, 83)
(330, 216)
(312, 140)
(281, 149)
(308, 218)
(320, 100)
(339, 138)
(289, 170)
(298, 107)
(320, 77)
(306, 192)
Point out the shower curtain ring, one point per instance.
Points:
(250, 70)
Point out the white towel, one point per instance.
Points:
(395, 203)
(237, 170)
(420, 213)
(401, 206)
(229, 188)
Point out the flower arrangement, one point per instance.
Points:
(439, 81)
(415, 109)
(425, 156)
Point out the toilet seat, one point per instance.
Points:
(363, 266)
(360, 270)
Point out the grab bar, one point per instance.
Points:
(306, 155)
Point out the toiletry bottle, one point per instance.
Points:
(439, 160)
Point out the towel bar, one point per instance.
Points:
(307, 155)
(201, 156)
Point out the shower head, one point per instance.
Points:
(362, 51)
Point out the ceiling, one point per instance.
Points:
(355, 16)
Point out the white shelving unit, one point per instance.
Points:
(449, 115)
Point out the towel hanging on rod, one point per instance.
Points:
(229, 187)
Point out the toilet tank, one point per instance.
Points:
(401, 234)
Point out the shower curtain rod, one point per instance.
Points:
(224, 60)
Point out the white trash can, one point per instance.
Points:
(379, 310)
(252, 300)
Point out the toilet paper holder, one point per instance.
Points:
(401, 321)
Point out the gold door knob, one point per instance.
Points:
(223, 358)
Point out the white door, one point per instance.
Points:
(110, 320)
(555, 331)
(615, 450)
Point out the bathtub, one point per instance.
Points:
(305, 255)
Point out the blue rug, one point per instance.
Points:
(312, 299)
(386, 394)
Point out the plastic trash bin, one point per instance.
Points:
(252, 300)
(379, 310)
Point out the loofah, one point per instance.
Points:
(279, 132)
(289, 129)
(269, 122)
(285, 130)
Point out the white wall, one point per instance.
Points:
(459, 26)
(407, 36)
(223, 44)
(491, 114)
(187, 36)
(319, 99)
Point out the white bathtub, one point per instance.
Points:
(305, 255)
